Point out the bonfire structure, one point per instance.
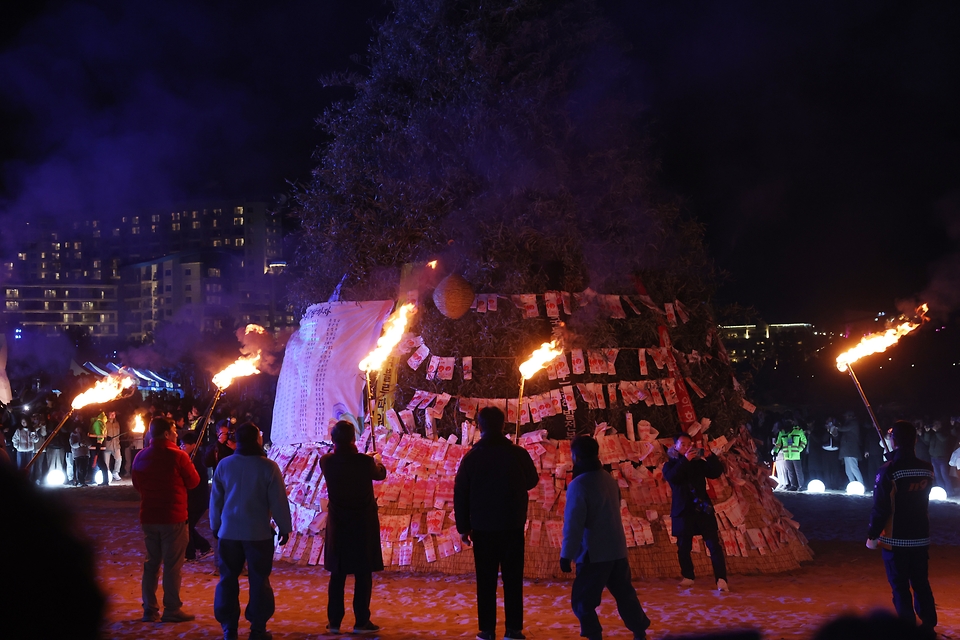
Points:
(493, 173)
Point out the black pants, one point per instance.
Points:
(362, 591)
(588, 586)
(258, 555)
(493, 552)
(907, 567)
(81, 466)
(197, 542)
(685, 544)
(102, 465)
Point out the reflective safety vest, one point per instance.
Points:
(791, 443)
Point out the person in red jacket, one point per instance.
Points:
(163, 474)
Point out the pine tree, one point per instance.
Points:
(507, 139)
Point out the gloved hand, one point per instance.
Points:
(872, 544)
(565, 565)
(282, 540)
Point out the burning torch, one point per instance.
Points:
(877, 343)
(246, 365)
(112, 387)
(538, 360)
(393, 330)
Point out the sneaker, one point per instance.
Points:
(177, 615)
(335, 629)
(204, 554)
(151, 616)
(722, 585)
(363, 629)
(116, 478)
(486, 635)
(686, 582)
(260, 635)
(516, 635)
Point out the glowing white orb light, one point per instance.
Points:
(55, 478)
(938, 493)
(816, 486)
(855, 489)
(98, 478)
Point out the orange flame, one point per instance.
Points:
(138, 426)
(539, 359)
(432, 264)
(105, 390)
(881, 341)
(243, 366)
(392, 333)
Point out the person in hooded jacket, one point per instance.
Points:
(900, 525)
(248, 490)
(352, 544)
(593, 537)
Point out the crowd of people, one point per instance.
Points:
(249, 514)
(840, 451)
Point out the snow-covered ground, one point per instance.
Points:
(844, 577)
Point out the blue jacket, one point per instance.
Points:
(247, 491)
(592, 529)
(900, 496)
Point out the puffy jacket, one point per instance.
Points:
(490, 491)
(163, 474)
(592, 526)
(900, 496)
(247, 491)
(24, 439)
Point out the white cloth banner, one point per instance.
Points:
(320, 378)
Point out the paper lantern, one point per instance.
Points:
(453, 296)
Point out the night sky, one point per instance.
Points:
(818, 141)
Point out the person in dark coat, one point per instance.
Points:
(352, 544)
(692, 512)
(850, 447)
(899, 523)
(198, 498)
(490, 507)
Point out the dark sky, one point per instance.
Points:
(819, 141)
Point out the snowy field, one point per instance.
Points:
(844, 577)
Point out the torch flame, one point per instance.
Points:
(881, 341)
(246, 365)
(138, 426)
(392, 333)
(432, 264)
(105, 390)
(539, 359)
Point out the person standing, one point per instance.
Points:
(111, 450)
(490, 507)
(791, 441)
(593, 538)
(24, 440)
(352, 543)
(850, 447)
(247, 492)
(163, 474)
(198, 499)
(223, 448)
(80, 455)
(98, 437)
(900, 525)
(691, 511)
(940, 445)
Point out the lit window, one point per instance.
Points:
(195, 224)
(238, 242)
(238, 222)
(153, 228)
(12, 305)
(21, 256)
(175, 226)
(193, 215)
(213, 273)
(136, 219)
(96, 264)
(238, 211)
(175, 216)
(95, 224)
(135, 231)
(217, 243)
(216, 223)
(155, 218)
(116, 233)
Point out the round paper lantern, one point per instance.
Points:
(453, 296)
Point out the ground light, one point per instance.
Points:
(855, 489)
(98, 478)
(938, 493)
(55, 478)
(816, 486)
